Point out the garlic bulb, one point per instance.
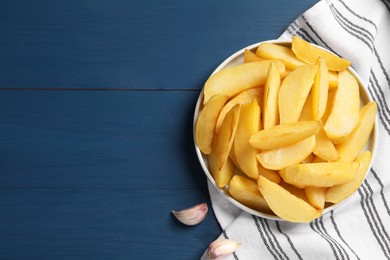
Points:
(192, 216)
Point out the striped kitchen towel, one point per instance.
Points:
(358, 30)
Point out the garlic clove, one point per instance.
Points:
(192, 216)
(221, 248)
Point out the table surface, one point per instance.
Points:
(96, 110)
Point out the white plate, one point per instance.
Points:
(238, 58)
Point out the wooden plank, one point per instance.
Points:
(125, 139)
(130, 44)
(100, 224)
(95, 175)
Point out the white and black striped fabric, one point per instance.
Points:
(358, 30)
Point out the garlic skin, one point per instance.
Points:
(192, 216)
(221, 248)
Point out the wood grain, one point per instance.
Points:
(96, 110)
(130, 44)
(100, 224)
(95, 174)
(98, 139)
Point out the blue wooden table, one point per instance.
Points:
(96, 107)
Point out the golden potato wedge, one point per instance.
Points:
(307, 110)
(309, 158)
(284, 204)
(316, 196)
(300, 193)
(232, 156)
(250, 57)
(283, 135)
(344, 114)
(319, 174)
(284, 74)
(294, 91)
(319, 91)
(206, 122)
(329, 105)
(333, 79)
(232, 80)
(325, 148)
(246, 192)
(236, 170)
(221, 175)
(221, 146)
(244, 97)
(356, 141)
(269, 174)
(309, 53)
(289, 155)
(248, 124)
(318, 159)
(340, 192)
(270, 102)
(274, 51)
